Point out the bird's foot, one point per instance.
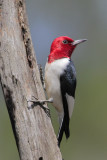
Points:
(41, 103)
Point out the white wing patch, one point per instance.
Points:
(70, 101)
(60, 117)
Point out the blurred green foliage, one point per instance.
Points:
(77, 19)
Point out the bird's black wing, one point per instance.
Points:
(68, 86)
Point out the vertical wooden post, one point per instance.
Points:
(19, 77)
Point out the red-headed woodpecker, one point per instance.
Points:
(60, 80)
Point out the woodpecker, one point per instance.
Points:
(60, 80)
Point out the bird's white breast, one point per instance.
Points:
(52, 81)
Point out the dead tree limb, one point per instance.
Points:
(19, 77)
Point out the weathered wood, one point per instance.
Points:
(20, 80)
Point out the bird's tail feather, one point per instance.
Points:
(63, 128)
(66, 128)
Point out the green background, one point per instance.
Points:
(77, 19)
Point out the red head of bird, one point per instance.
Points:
(62, 47)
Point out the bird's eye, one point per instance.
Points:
(65, 41)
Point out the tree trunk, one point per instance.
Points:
(20, 80)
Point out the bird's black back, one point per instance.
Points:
(68, 86)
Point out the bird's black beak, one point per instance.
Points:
(76, 42)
